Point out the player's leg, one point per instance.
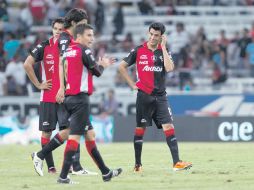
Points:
(163, 119)
(47, 123)
(91, 147)
(144, 109)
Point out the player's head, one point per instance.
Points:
(84, 34)
(57, 26)
(75, 16)
(156, 30)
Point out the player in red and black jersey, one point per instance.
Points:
(47, 54)
(80, 66)
(152, 62)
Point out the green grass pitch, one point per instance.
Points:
(216, 166)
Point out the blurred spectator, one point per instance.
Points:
(16, 75)
(118, 18)
(3, 81)
(11, 46)
(109, 106)
(38, 9)
(233, 52)
(219, 74)
(113, 44)
(185, 67)
(128, 43)
(250, 55)
(178, 39)
(53, 10)
(99, 17)
(145, 7)
(119, 80)
(26, 19)
(243, 43)
(3, 11)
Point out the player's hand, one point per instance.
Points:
(106, 61)
(134, 87)
(60, 96)
(45, 85)
(163, 41)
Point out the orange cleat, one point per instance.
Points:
(182, 166)
(138, 169)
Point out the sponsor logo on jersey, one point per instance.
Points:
(143, 57)
(88, 51)
(71, 53)
(63, 41)
(49, 56)
(152, 68)
(143, 62)
(51, 62)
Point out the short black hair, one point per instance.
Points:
(57, 20)
(158, 26)
(80, 28)
(75, 15)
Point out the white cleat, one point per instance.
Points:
(38, 163)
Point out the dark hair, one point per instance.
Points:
(75, 15)
(80, 28)
(158, 26)
(57, 20)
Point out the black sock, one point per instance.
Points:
(70, 149)
(95, 154)
(172, 144)
(138, 143)
(52, 145)
(76, 160)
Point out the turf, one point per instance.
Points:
(216, 166)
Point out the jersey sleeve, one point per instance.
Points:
(131, 57)
(89, 61)
(38, 52)
(63, 42)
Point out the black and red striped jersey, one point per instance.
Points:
(150, 70)
(47, 53)
(80, 66)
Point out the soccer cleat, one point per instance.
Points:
(111, 174)
(83, 172)
(182, 166)
(138, 168)
(52, 170)
(66, 181)
(38, 163)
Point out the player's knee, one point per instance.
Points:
(167, 126)
(90, 135)
(46, 134)
(64, 133)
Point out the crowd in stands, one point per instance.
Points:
(193, 53)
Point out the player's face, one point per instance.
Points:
(87, 38)
(57, 29)
(154, 37)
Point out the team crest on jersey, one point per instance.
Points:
(143, 57)
(88, 51)
(49, 56)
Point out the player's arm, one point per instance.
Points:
(63, 44)
(96, 68)
(36, 55)
(168, 61)
(126, 62)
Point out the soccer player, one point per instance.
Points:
(152, 63)
(80, 66)
(50, 111)
(47, 54)
(72, 18)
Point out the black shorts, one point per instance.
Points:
(151, 107)
(78, 107)
(50, 114)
